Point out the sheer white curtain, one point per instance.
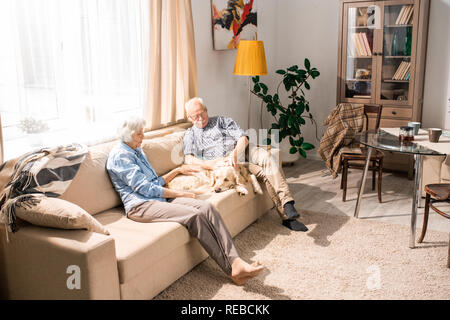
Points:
(77, 65)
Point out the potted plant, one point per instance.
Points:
(33, 128)
(292, 114)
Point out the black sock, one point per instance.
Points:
(290, 211)
(294, 225)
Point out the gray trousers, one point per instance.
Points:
(201, 219)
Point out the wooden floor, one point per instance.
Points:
(314, 189)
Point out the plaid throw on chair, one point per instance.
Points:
(44, 172)
(343, 122)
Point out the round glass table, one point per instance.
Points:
(382, 140)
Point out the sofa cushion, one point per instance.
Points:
(91, 189)
(58, 213)
(164, 153)
(139, 245)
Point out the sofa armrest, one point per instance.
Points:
(42, 263)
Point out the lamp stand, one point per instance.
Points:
(249, 102)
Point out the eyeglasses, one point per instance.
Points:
(197, 116)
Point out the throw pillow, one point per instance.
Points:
(58, 213)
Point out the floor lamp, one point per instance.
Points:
(250, 61)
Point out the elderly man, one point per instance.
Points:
(217, 141)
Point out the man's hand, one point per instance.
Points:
(189, 169)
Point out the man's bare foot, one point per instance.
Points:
(241, 271)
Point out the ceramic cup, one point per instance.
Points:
(434, 134)
(415, 125)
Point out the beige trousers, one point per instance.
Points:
(200, 218)
(267, 170)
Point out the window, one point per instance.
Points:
(78, 66)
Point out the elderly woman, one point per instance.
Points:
(146, 200)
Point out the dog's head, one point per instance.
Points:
(224, 178)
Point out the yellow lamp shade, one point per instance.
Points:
(250, 58)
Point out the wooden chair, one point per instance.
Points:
(357, 161)
(441, 193)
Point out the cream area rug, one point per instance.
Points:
(338, 258)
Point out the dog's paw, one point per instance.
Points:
(242, 191)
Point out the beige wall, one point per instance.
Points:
(437, 74)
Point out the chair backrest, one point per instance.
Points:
(376, 109)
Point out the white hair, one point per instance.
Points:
(129, 127)
(191, 102)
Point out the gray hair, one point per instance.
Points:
(129, 127)
(191, 102)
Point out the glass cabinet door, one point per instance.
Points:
(358, 59)
(396, 69)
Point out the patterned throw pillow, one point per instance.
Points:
(58, 213)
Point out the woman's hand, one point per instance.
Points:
(189, 195)
(189, 169)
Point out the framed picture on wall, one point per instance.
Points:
(233, 20)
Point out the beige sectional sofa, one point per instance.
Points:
(137, 260)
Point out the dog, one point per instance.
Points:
(218, 180)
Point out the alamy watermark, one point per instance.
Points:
(74, 280)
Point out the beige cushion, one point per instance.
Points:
(139, 245)
(91, 189)
(164, 153)
(57, 213)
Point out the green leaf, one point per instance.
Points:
(264, 88)
(280, 71)
(293, 150)
(302, 73)
(256, 88)
(307, 64)
(302, 153)
(276, 98)
(302, 121)
(307, 146)
(291, 141)
(315, 74)
(275, 126)
(255, 79)
(307, 107)
(307, 85)
(293, 68)
(287, 83)
(268, 141)
(300, 108)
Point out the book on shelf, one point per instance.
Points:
(363, 45)
(395, 76)
(405, 72)
(366, 43)
(402, 71)
(408, 76)
(358, 45)
(405, 15)
(400, 15)
(410, 15)
(361, 96)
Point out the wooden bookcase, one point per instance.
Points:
(381, 60)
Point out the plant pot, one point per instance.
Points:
(287, 157)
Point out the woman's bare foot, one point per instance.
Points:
(241, 271)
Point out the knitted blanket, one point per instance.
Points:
(43, 172)
(343, 122)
